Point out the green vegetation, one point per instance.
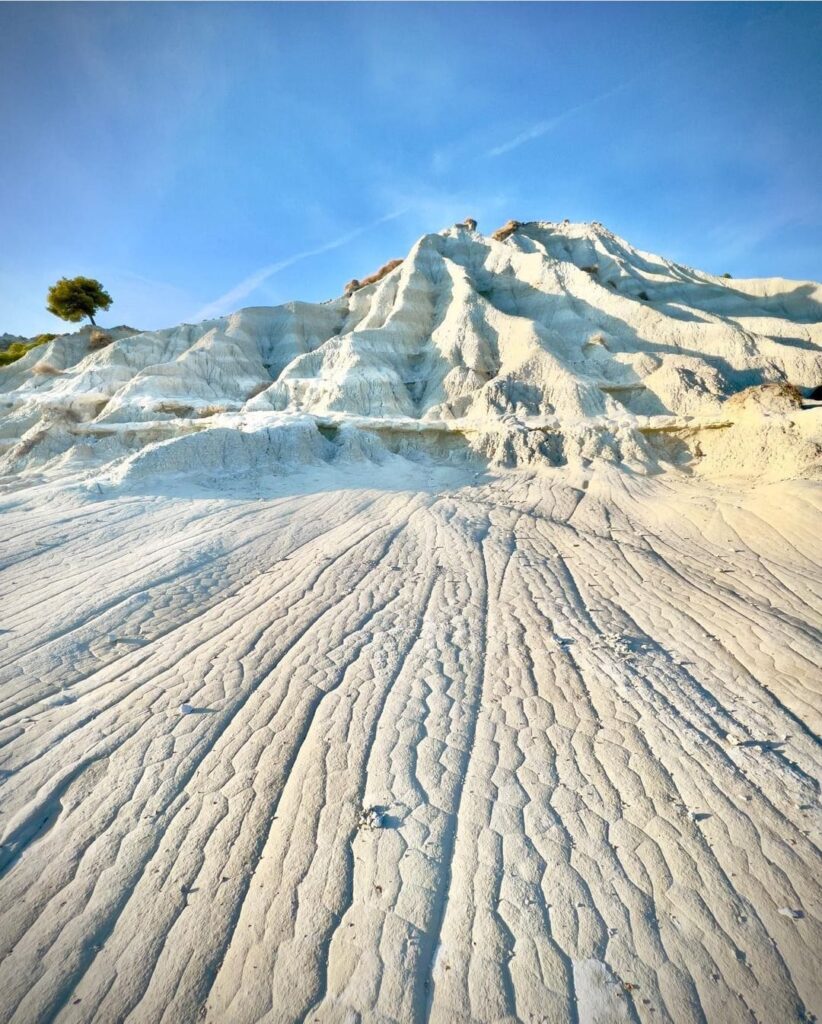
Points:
(76, 297)
(19, 348)
(728, 276)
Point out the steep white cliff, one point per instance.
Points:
(559, 344)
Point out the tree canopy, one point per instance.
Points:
(76, 297)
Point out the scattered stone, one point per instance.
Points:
(371, 818)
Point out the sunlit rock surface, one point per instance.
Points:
(444, 653)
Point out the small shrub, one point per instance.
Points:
(643, 296)
(354, 285)
(776, 396)
(506, 230)
(99, 339)
(46, 369)
(378, 275)
(728, 277)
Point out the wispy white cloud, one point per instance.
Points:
(548, 125)
(229, 301)
(543, 127)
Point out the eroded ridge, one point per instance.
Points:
(505, 749)
(547, 344)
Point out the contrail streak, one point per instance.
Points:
(228, 302)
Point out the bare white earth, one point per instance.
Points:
(412, 746)
(409, 657)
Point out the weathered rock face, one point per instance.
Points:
(407, 735)
(560, 342)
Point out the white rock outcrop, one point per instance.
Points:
(559, 343)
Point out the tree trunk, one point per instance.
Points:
(93, 324)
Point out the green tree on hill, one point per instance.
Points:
(76, 297)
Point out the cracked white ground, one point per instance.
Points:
(413, 734)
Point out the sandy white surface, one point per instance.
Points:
(588, 718)
(484, 698)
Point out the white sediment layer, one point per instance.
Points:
(447, 653)
(560, 345)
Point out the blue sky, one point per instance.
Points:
(197, 158)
